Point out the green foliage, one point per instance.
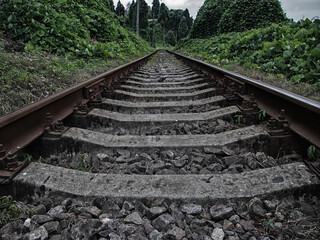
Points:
(155, 8)
(223, 16)
(208, 17)
(183, 29)
(171, 38)
(120, 10)
(163, 14)
(313, 153)
(143, 20)
(83, 163)
(242, 15)
(262, 115)
(82, 28)
(291, 49)
(238, 119)
(10, 210)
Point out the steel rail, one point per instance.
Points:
(302, 114)
(20, 128)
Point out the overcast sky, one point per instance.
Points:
(296, 9)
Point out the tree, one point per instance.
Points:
(171, 38)
(163, 14)
(120, 11)
(155, 8)
(111, 5)
(143, 16)
(155, 14)
(138, 18)
(247, 14)
(189, 19)
(208, 18)
(183, 29)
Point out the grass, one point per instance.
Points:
(10, 210)
(29, 77)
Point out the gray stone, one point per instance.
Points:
(234, 219)
(40, 209)
(128, 206)
(55, 237)
(52, 227)
(215, 167)
(124, 153)
(239, 228)
(103, 157)
(219, 212)
(176, 233)
(114, 236)
(261, 157)
(37, 234)
(247, 225)
(170, 154)
(278, 226)
(64, 216)
(179, 162)
(155, 235)
(227, 225)
(147, 226)
(231, 160)
(155, 212)
(53, 212)
(145, 157)
(271, 205)
(11, 237)
(141, 208)
(41, 219)
(94, 211)
(125, 230)
(134, 218)
(257, 210)
(191, 209)
(27, 222)
(217, 234)
(86, 228)
(163, 222)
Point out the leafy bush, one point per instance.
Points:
(291, 49)
(242, 15)
(171, 38)
(208, 17)
(223, 16)
(84, 28)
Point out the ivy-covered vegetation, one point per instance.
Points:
(290, 49)
(78, 27)
(223, 16)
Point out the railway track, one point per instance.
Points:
(165, 151)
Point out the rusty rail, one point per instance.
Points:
(302, 114)
(20, 128)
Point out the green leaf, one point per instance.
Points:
(287, 54)
(10, 18)
(315, 53)
(297, 78)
